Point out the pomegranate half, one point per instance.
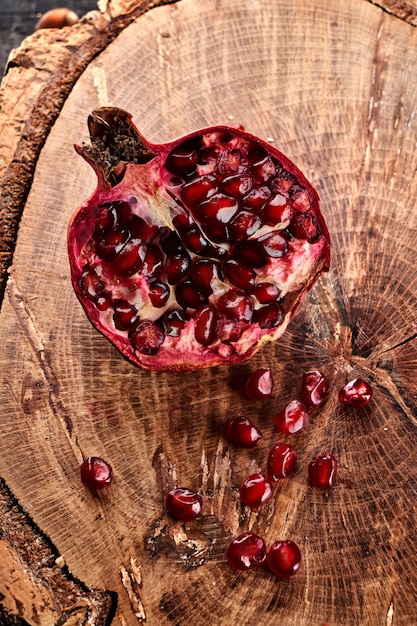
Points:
(196, 252)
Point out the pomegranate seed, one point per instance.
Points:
(238, 185)
(171, 244)
(266, 293)
(130, 258)
(284, 558)
(215, 231)
(188, 296)
(283, 182)
(256, 490)
(322, 470)
(277, 211)
(251, 252)
(202, 272)
(300, 199)
(236, 304)
(111, 243)
(90, 283)
(281, 462)
(314, 388)
(183, 159)
(243, 225)
(292, 418)
(304, 226)
(205, 325)
(158, 294)
(231, 162)
(140, 229)
(275, 245)
(264, 170)
(125, 315)
(219, 208)
(96, 473)
(356, 393)
(269, 316)
(247, 551)
(173, 322)
(239, 274)
(194, 240)
(177, 266)
(241, 431)
(256, 198)
(260, 384)
(105, 218)
(147, 338)
(183, 504)
(199, 190)
(152, 262)
(104, 301)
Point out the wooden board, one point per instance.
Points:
(334, 86)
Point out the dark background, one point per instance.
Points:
(18, 19)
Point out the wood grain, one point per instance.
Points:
(334, 86)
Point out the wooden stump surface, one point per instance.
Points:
(333, 85)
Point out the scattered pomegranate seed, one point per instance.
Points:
(241, 431)
(96, 473)
(281, 462)
(260, 384)
(255, 490)
(292, 418)
(322, 470)
(284, 558)
(247, 551)
(183, 504)
(356, 393)
(314, 388)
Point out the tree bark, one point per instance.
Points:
(333, 85)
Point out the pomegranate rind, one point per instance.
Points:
(154, 202)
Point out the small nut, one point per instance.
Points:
(57, 18)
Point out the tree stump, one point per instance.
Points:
(333, 85)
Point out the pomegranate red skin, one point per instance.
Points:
(284, 558)
(96, 473)
(247, 551)
(139, 175)
(357, 392)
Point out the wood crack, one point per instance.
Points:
(37, 343)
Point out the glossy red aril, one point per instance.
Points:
(183, 504)
(241, 431)
(322, 470)
(247, 551)
(356, 392)
(196, 252)
(284, 558)
(259, 384)
(256, 490)
(314, 388)
(96, 473)
(292, 418)
(281, 461)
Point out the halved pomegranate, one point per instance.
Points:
(196, 252)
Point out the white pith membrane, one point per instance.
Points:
(154, 194)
